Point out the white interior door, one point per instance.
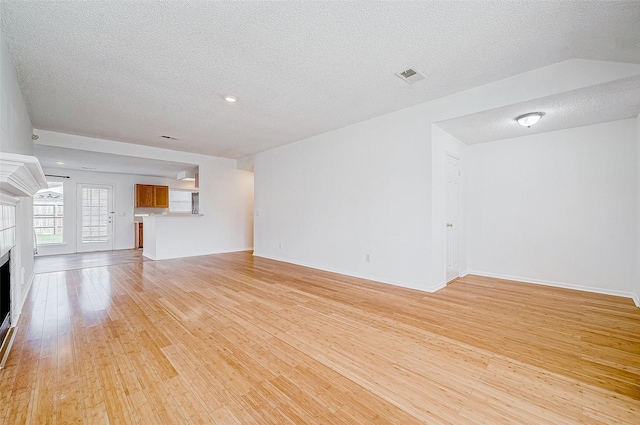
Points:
(95, 218)
(453, 215)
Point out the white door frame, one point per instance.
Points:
(452, 232)
(95, 246)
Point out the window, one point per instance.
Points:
(48, 214)
(181, 201)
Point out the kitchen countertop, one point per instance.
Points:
(167, 215)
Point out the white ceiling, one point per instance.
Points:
(590, 105)
(133, 71)
(75, 159)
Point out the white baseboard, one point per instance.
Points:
(196, 255)
(28, 288)
(604, 291)
(28, 284)
(352, 274)
(438, 287)
(144, 254)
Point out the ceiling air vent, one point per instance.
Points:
(411, 76)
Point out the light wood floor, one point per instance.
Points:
(53, 263)
(231, 339)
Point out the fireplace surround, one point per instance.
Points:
(5, 295)
(20, 178)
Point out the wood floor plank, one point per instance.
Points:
(236, 339)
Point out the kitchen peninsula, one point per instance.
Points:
(163, 235)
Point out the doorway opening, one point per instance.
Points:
(453, 217)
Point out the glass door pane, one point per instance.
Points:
(95, 215)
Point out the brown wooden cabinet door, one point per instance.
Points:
(161, 196)
(144, 196)
(137, 227)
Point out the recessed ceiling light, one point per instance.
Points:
(527, 120)
(59, 163)
(230, 99)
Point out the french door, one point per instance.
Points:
(95, 218)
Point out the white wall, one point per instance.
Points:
(375, 187)
(226, 194)
(124, 204)
(556, 207)
(637, 256)
(15, 124)
(15, 137)
(332, 199)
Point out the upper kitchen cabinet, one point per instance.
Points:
(161, 196)
(151, 196)
(144, 196)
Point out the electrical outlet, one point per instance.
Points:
(368, 258)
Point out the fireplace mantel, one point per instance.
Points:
(20, 175)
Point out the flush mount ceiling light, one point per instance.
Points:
(59, 162)
(527, 120)
(230, 99)
(187, 175)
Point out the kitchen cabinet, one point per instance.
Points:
(161, 196)
(139, 242)
(144, 196)
(152, 196)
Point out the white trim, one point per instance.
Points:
(21, 175)
(197, 255)
(462, 274)
(358, 275)
(27, 288)
(148, 256)
(7, 199)
(439, 286)
(9, 344)
(459, 224)
(636, 299)
(564, 285)
(111, 207)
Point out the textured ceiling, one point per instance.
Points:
(133, 71)
(610, 101)
(75, 159)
